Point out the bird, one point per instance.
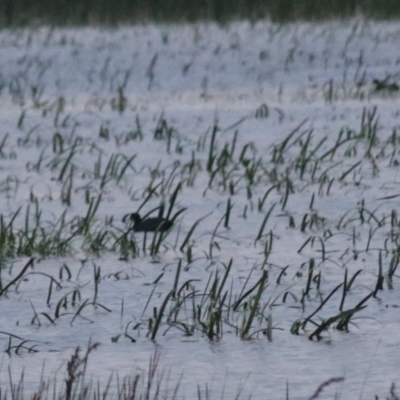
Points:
(156, 224)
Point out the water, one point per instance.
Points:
(318, 77)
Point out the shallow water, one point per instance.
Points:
(319, 75)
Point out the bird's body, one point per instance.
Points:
(150, 224)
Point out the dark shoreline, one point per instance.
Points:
(113, 12)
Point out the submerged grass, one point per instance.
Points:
(265, 237)
(151, 384)
(295, 160)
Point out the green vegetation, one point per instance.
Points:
(282, 222)
(237, 172)
(72, 12)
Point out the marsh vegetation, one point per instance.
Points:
(273, 149)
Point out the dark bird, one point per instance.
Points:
(150, 224)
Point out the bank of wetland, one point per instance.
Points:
(269, 154)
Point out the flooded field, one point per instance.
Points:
(270, 153)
